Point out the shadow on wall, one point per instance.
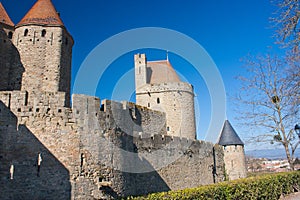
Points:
(114, 154)
(150, 180)
(140, 183)
(11, 67)
(28, 170)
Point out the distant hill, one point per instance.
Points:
(270, 153)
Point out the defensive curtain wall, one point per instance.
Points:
(95, 150)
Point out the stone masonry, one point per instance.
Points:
(52, 149)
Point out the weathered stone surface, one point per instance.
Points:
(92, 150)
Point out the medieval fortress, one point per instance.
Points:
(52, 149)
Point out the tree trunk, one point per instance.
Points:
(288, 156)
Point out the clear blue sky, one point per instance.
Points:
(227, 29)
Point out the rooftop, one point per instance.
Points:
(42, 12)
(4, 18)
(161, 72)
(229, 136)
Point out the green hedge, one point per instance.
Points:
(262, 187)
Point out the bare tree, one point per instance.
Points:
(287, 22)
(268, 102)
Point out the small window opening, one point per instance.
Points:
(149, 105)
(67, 41)
(43, 33)
(26, 32)
(82, 161)
(168, 128)
(10, 35)
(26, 98)
(11, 171)
(59, 111)
(37, 110)
(224, 147)
(48, 110)
(158, 101)
(19, 109)
(39, 162)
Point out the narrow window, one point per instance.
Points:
(168, 128)
(26, 32)
(158, 101)
(26, 98)
(43, 33)
(39, 162)
(11, 171)
(148, 104)
(67, 41)
(224, 147)
(10, 35)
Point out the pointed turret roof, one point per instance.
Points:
(162, 72)
(4, 18)
(42, 12)
(229, 136)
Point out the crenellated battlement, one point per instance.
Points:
(92, 149)
(166, 87)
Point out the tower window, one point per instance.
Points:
(10, 35)
(158, 101)
(26, 32)
(43, 33)
(168, 128)
(148, 104)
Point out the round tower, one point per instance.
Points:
(234, 155)
(45, 48)
(8, 53)
(158, 87)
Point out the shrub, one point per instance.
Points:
(270, 186)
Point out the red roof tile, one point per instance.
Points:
(162, 72)
(4, 18)
(42, 13)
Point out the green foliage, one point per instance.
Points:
(269, 186)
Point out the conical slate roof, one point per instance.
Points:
(161, 72)
(42, 13)
(4, 18)
(229, 136)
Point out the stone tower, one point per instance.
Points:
(45, 48)
(10, 66)
(158, 87)
(234, 155)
